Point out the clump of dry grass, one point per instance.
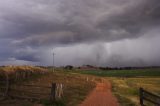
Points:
(75, 88)
(127, 89)
(20, 72)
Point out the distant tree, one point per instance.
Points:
(69, 67)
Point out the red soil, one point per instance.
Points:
(101, 96)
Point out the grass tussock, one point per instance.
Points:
(75, 88)
(126, 83)
(128, 89)
(20, 72)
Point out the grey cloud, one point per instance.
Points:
(27, 54)
(5, 49)
(133, 21)
(85, 20)
(28, 57)
(39, 23)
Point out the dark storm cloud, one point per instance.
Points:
(5, 50)
(27, 54)
(44, 23)
(74, 21)
(28, 57)
(133, 21)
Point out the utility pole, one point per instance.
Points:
(53, 61)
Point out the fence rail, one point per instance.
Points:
(148, 96)
(37, 86)
(31, 92)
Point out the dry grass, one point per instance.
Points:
(76, 88)
(20, 72)
(126, 83)
(127, 89)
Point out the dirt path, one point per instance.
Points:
(101, 96)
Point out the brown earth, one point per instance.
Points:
(101, 96)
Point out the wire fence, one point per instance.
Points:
(149, 97)
(31, 92)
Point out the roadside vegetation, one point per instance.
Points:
(75, 86)
(18, 73)
(126, 83)
(127, 89)
(79, 83)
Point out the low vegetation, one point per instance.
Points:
(127, 89)
(75, 88)
(123, 73)
(20, 72)
(126, 83)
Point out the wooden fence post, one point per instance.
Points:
(7, 86)
(59, 91)
(141, 96)
(53, 92)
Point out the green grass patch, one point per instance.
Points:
(122, 73)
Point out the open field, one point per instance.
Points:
(20, 72)
(78, 83)
(126, 83)
(76, 88)
(123, 73)
(127, 89)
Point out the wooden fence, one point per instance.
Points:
(150, 97)
(30, 92)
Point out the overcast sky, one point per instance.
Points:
(95, 32)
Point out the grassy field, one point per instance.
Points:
(20, 72)
(123, 73)
(76, 88)
(127, 89)
(126, 83)
(78, 84)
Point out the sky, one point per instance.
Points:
(115, 33)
